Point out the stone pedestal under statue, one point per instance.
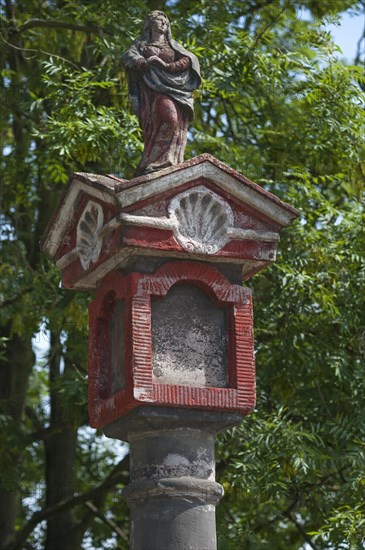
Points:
(171, 347)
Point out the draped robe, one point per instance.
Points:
(162, 99)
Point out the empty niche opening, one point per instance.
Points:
(110, 346)
(117, 347)
(189, 339)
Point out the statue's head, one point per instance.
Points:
(156, 20)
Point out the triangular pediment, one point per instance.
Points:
(128, 195)
(200, 209)
(81, 185)
(220, 177)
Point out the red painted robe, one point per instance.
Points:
(162, 99)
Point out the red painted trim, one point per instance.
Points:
(206, 157)
(158, 239)
(137, 290)
(237, 205)
(69, 239)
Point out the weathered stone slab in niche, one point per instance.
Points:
(189, 339)
(213, 319)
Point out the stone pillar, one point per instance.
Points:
(173, 493)
(187, 338)
(171, 349)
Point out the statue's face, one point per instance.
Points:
(159, 25)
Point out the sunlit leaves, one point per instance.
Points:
(278, 105)
(80, 129)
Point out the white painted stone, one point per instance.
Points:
(90, 280)
(174, 459)
(219, 177)
(104, 188)
(88, 242)
(67, 210)
(201, 220)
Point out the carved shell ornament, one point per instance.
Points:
(201, 220)
(88, 241)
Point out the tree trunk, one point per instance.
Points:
(14, 374)
(60, 460)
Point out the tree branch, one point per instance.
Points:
(105, 520)
(268, 25)
(359, 46)
(49, 24)
(99, 502)
(116, 477)
(38, 51)
(307, 539)
(10, 301)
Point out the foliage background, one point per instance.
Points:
(278, 104)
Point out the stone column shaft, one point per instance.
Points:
(173, 493)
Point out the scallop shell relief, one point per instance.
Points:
(201, 219)
(87, 238)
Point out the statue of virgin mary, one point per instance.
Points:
(162, 76)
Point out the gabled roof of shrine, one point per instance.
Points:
(123, 194)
